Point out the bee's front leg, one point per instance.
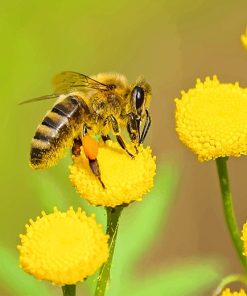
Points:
(146, 127)
(120, 140)
(133, 128)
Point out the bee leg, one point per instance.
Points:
(145, 128)
(133, 137)
(90, 147)
(76, 148)
(94, 166)
(133, 128)
(122, 144)
(105, 138)
(120, 140)
(77, 143)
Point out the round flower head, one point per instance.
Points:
(125, 179)
(244, 39)
(63, 248)
(227, 292)
(211, 119)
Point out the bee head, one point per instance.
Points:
(140, 97)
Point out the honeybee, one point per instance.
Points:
(98, 105)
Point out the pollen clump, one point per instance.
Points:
(63, 247)
(244, 39)
(227, 292)
(211, 119)
(125, 179)
(90, 147)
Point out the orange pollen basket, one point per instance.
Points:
(90, 147)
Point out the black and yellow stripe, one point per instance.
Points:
(56, 132)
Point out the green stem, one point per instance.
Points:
(228, 209)
(113, 215)
(69, 290)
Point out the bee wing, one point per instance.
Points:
(68, 81)
(46, 97)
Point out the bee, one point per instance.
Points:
(98, 105)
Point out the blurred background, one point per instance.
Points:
(170, 43)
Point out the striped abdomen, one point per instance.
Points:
(56, 132)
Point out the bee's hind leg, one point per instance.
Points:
(90, 147)
(94, 166)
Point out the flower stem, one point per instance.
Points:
(228, 209)
(69, 290)
(113, 215)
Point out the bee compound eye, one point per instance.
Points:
(138, 96)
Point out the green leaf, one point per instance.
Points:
(49, 193)
(15, 280)
(142, 221)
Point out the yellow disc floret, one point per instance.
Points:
(227, 292)
(125, 179)
(244, 39)
(63, 248)
(211, 119)
(244, 238)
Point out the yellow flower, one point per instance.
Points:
(125, 179)
(211, 119)
(244, 39)
(244, 238)
(63, 248)
(227, 292)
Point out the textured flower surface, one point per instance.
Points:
(244, 39)
(244, 238)
(211, 119)
(227, 292)
(125, 179)
(63, 247)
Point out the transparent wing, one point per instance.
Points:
(42, 98)
(68, 81)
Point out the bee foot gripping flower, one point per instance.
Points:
(227, 292)
(125, 179)
(211, 119)
(63, 248)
